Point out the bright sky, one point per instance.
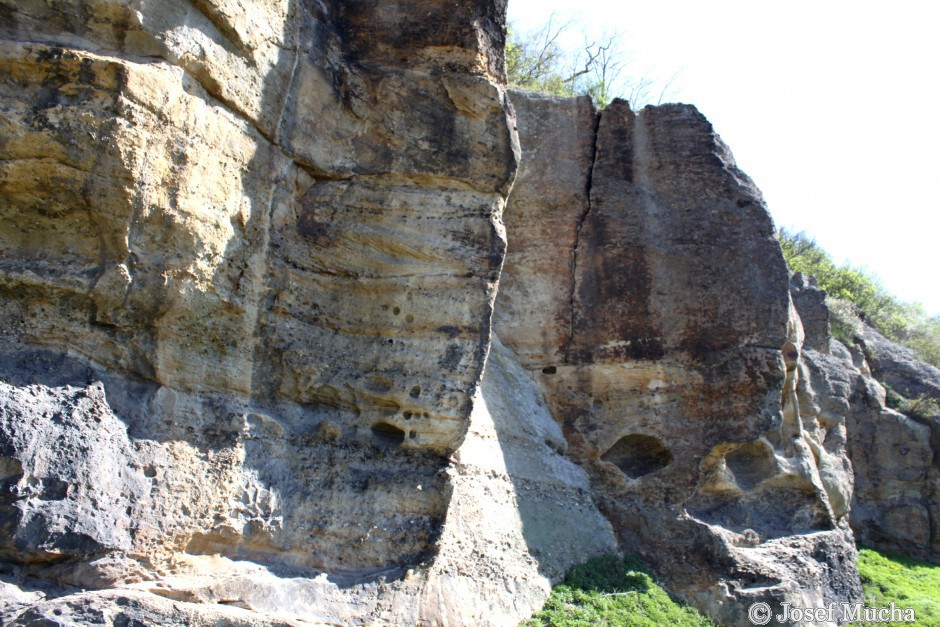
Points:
(832, 107)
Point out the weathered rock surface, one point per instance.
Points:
(250, 254)
(898, 367)
(671, 309)
(895, 503)
(103, 509)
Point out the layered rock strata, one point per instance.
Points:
(644, 289)
(249, 270)
(249, 257)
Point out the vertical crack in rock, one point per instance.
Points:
(577, 240)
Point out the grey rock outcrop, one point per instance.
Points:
(899, 367)
(896, 499)
(901, 491)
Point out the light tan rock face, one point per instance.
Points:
(677, 374)
(249, 256)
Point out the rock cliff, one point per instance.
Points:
(306, 318)
(644, 287)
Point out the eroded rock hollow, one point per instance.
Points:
(305, 317)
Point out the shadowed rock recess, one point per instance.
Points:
(254, 257)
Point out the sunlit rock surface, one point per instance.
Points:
(677, 373)
(304, 318)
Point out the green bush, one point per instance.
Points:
(613, 591)
(852, 292)
(921, 407)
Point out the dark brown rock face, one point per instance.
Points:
(671, 388)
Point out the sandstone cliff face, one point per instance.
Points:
(255, 257)
(649, 297)
(249, 257)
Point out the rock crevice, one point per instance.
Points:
(577, 236)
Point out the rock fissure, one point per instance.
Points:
(577, 238)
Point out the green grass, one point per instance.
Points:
(613, 591)
(889, 577)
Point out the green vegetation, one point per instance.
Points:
(538, 61)
(617, 591)
(922, 407)
(613, 591)
(907, 582)
(853, 295)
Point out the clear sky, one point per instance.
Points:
(832, 107)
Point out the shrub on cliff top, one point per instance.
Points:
(851, 288)
(538, 61)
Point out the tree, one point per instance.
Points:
(538, 61)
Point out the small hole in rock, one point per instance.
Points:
(396, 311)
(407, 415)
(549, 370)
(387, 434)
(409, 318)
(638, 454)
(412, 434)
(391, 341)
(416, 391)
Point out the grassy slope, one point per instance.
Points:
(613, 591)
(620, 591)
(909, 583)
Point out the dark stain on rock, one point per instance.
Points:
(613, 301)
(452, 357)
(615, 141)
(450, 331)
(312, 229)
(7, 20)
